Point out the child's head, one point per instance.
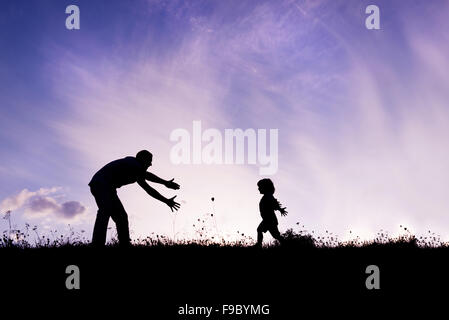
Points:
(266, 186)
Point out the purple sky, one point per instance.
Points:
(363, 115)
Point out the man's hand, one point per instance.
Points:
(171, 184)
(173, 204)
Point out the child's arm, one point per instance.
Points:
(278, 206)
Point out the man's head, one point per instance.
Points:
(145, 157)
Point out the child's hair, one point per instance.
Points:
(266, 186)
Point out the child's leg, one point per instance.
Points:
(276, 234)
(260, 230)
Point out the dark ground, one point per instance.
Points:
(155, 281)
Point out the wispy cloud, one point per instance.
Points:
(46, 205)
(18, 201)
(41, 203)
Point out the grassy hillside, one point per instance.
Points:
(166, 275)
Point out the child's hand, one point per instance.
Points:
(283, 211)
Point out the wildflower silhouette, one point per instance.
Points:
(267, 206)
(114, 175)
(7, 216)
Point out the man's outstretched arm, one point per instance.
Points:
(152, 192)
(168, 183)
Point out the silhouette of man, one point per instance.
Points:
(267, 206)
(104, 186)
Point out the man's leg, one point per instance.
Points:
(100, 229)
(120, 217)
(103, 200)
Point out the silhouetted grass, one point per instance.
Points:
(30, 238)
(163, 267)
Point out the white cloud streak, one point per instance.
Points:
(362, 146)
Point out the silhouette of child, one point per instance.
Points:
(267, 206)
